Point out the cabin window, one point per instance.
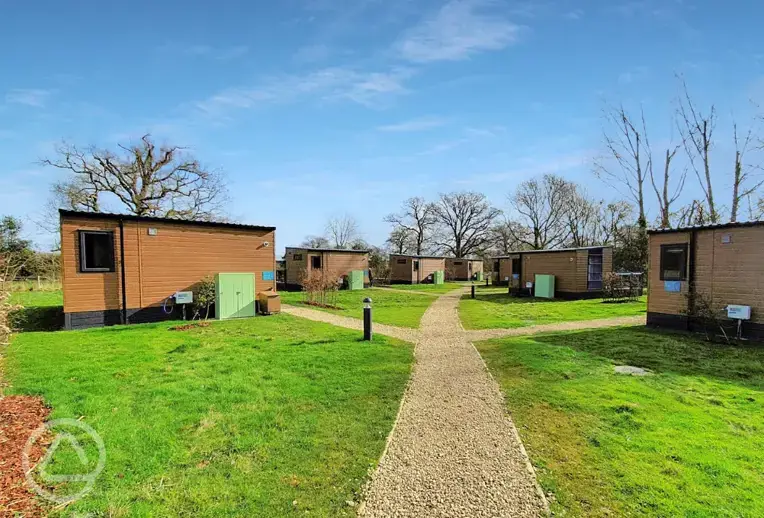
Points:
(96, 251)
(416, 266)
(401, 261)
(594, 270)
(516, 265)
(674, 262)
(297, 257)
(458, 263)
(315, 262)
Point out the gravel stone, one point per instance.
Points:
(631, 370)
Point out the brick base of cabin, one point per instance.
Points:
(751, 330)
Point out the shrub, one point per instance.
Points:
(320, 287)
(204, 297)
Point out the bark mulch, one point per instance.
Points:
(19, 417)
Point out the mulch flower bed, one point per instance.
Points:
(186, 327)
(319, 305)
(19, 417)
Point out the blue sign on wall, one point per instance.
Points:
(268, 276)
(672, 286)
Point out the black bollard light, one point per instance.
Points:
(486, 281)
(367, 319)
(473, 290)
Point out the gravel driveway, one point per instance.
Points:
(454, 450)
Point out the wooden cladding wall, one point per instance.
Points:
(403, 272)
(337, 262)
(156, 266)
(570, 268)
(401, 269)
(729, 269)
(460, 270)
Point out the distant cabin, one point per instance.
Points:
(301, 261)
(119, 268)
(415, 269)
(721, 265)
(463, 269)
(578, 272)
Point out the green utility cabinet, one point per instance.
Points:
(234, 295)
(544, 287)
(355, 280)
(479, 276)
(438, 277)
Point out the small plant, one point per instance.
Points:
(320, 288)
(9, 267)
(204, 297)
(701, 310)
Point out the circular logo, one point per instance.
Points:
(68, 433)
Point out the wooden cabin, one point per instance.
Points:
(415, 269)
(578, 272)
(463, 269)
(717, 266)
(119, 268)
(300, 261)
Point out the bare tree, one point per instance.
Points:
(542, 206)
(342, 231)
(504, 237)
(694, 214)
(400, 241)
(465, 220)
(315, 242)
(627, 144)
(418, 218)
(742, 188)
(583, 217)
(665, 195)
(613, 218)
(697, 131)
(144, 179)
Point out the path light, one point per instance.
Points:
(473, 290)
(367, 319)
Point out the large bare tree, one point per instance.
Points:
(504, 237)
(743, 183)
(628, 161)
(145, 179)
(418, 219)
(465, 220)
(542, 206)
(342, 231)
(400, 241)
(697, 129)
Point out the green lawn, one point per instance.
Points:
(273, 416)
(687, 441)
(493, 308)
(41, 310)
(431, 288)
(388, 307)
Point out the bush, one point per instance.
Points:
(204, 297)
(320, 287)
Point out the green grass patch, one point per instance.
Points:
(275, 416)
(686, 441)
(40, 310)
(388, 307)
(431, 288)
(493, 308)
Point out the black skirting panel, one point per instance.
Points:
(113, 317)
(751, 330)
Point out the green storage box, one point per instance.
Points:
(355, 280)
(479, 276)
(234, 295)
(438, 277)
(544, 287)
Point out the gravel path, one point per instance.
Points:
(401, 333)
(487, 334)
(454, 450)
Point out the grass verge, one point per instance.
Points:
(389, 307)
(275, 416)
(495, 309)
(685, 441)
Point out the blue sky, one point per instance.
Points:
(316, 108)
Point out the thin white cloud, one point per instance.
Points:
(531, 167)
(205, 51)
(312, 53)
(419, 124)
(36, 98)
(335, 83)
(458, 30)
